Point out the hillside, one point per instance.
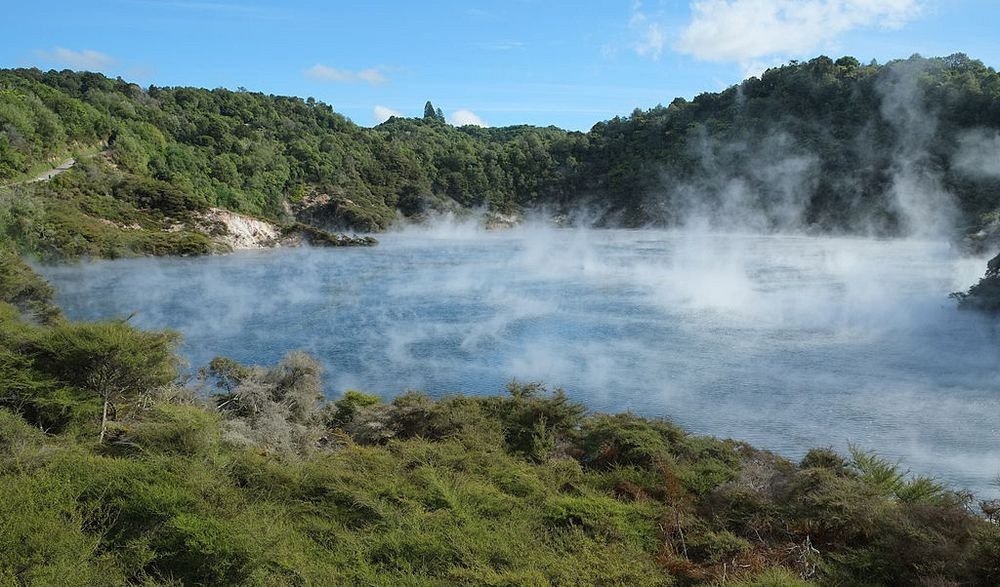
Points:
(901, 148)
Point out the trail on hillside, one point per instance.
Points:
(46, 176)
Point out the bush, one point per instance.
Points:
(43, 538)
(24, 289)
(166, 428)
(625, 439)
(535, 420)
(349, 405)
(825, 458)
(109, 360)
(39, 398)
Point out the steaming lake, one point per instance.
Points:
(785, 342)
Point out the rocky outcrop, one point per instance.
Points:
(987, 238)
(241, 232)
(985, 295)
(238, 231)
(338, 209)
(498, 221)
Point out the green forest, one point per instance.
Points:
(817, 145)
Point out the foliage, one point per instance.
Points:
(178, 149)
(24, 289)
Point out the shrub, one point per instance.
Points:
(39, 398)
(348, 406)
(716, 547)
(24, 289)
(43, 540)
(825, 458)
(166, 428)
(110, 360)
(625, 439)
(774, 577)
(534, 419)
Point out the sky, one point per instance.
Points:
(541, 62)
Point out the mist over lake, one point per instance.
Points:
(786, 342)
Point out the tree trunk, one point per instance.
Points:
(104, 423)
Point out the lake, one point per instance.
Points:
(786, 342)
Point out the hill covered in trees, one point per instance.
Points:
(901, 148)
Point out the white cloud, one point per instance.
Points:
(86, 59)
(465, 117)
(503, 45)
(332, 74)
(749, 31)
(383, 113)
(372, 76)
(649, 35)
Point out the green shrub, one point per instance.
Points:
(186, 430)
(716, 547)
(349, 404)
(602, 517)
(24, 289)
(983, 558)
(774, 577)
(43, 538)
(39, 398)
(534, 419)
(625, 439)
(109, 360)
(825, 458)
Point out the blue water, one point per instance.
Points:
(786, 342)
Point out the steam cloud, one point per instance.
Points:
(979, 153)
(785, 341)
(764, 182)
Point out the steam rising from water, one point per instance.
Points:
(787, 342)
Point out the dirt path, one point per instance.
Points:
(54, 172)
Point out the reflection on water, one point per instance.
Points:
(785, 342)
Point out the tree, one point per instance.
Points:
(433, 114)
(109, 359)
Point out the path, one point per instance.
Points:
(54, 172)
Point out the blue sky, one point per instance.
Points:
(565, 63)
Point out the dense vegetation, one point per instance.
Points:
(114, 472)
(835, 145)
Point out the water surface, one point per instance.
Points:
(787, 342)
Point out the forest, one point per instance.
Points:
(826, 145)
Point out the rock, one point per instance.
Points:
(241, 232)
(498, 221)
(985, 295)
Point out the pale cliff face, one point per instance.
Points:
(244, 232)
